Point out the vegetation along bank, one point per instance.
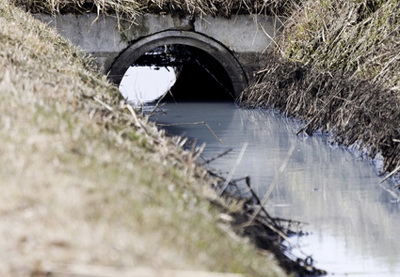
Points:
(337, 66)
(90, 188)
(129, 9)
(81, 171)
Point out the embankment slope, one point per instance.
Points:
(90, 188)
(337, 66)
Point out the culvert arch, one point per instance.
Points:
(218, 52)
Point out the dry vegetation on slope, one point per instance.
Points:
(131, 8)
(358, 37)
(87, 187)
(337, 65)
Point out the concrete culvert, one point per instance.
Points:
(206, 70)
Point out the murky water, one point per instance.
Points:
(352, 220)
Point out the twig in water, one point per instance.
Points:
(273, 227)
(391, 174)
(193, 123)
(391, 192)
(217, 157)
(274, 183)
(248, 184)
(156, 108)
(239, 179)
(159, 104)
(228, 180)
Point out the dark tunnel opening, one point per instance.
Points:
(199, 76)
(202, 78)
(208, 71)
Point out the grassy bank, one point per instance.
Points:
(337, 66)
(91, 189)
(129, 9)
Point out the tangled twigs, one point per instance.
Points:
(265, 231)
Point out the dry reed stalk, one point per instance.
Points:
(273, 185)
(358, 37)
(217, 157)
(337, 65)
(129, 9)
(193, 123)
(234, 168)
(87, 181)
(354, 110)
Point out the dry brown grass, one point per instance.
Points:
(355, 111)
(88, 187)
(131, 8)
(357, 37)
(337, 65)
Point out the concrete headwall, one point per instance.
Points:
(246, 37)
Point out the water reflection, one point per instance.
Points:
(351, 218)
(138, 86)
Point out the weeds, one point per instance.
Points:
(131, 8)
(358, 37)
(90, 186)
(337, 66)
(354, 110)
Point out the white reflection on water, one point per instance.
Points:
(142, 84)
(353, 223)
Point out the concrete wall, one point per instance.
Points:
(245, 36)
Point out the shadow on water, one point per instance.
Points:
(352, 220)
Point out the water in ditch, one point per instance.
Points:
(351, 219)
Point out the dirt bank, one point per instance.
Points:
(89, 188)
(337, 66)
